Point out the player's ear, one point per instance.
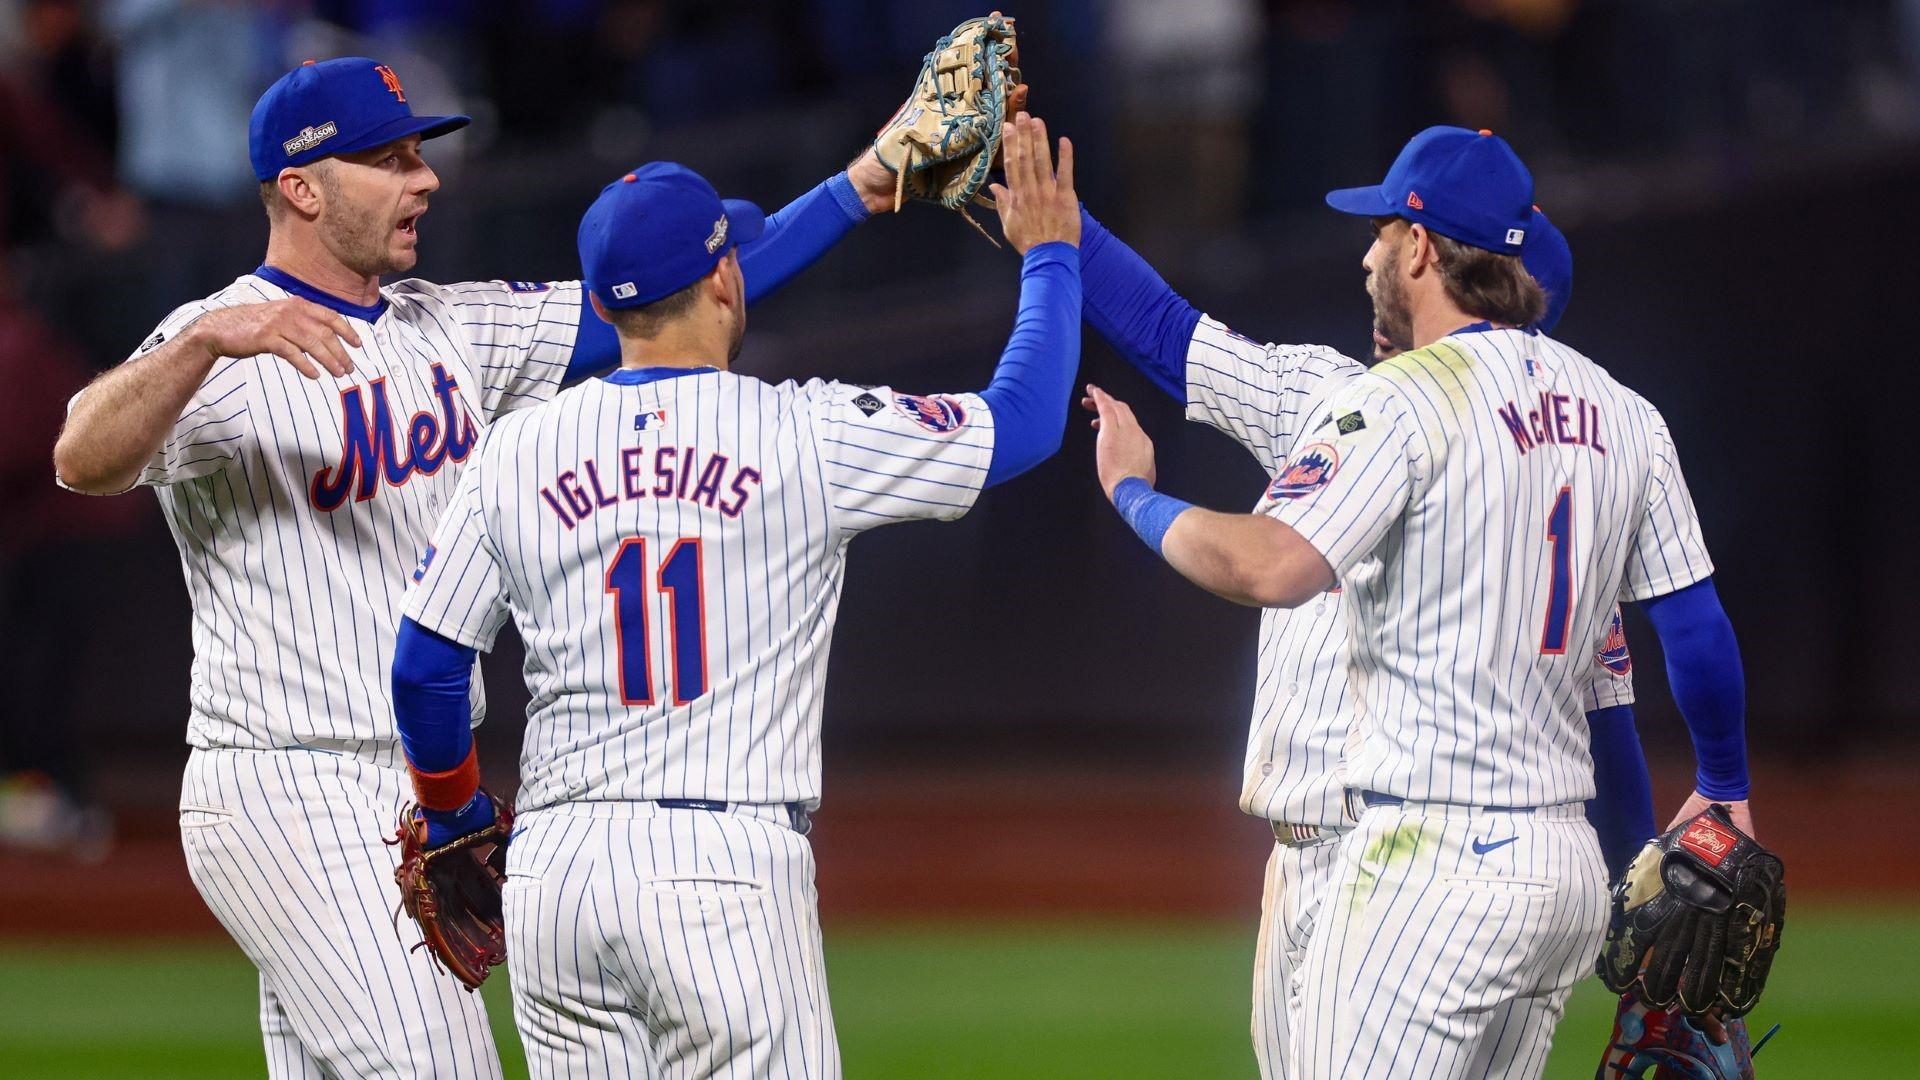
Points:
(1419, 248)
(300, 189)
(729, 287)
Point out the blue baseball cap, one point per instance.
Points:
(1548, 258)
(657, 230)
(330, 107)
(1467, 185)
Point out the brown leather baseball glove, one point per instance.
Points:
(453, 892)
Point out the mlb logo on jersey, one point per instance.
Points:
(527, 286)
(940, 415)
(426, 561)
(652, 419)
(1614, 655)
(1308, 472)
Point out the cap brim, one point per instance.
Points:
(427, 127)
(1361, 201)
(745, 221)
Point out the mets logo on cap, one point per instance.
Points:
(1614, 655)
(938, 414)
(1305, 473)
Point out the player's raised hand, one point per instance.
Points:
(1037, 204)
(298, 331)
(1123, 449)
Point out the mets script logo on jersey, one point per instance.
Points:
(372, 451)
(1307, 472)
(940, 415)
(1614, 655)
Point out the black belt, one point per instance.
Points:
(802, 822)
(1375, 798)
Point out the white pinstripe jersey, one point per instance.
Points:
(1257, 395)
(672, 553)
(1487, 501)
(299, 505)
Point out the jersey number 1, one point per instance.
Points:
(1553, 639)
(681, 579)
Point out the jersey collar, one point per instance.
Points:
(1484, 326)
(642, 376)
(368, 312)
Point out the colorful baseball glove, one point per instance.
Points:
(942, 141)
(453, 892)
(1658, 1045)
(1696, 920)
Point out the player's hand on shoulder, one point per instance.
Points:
(1738, 809)
(304, 334)
(1037, 204)
(1122, 448)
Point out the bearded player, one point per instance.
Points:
(303, 427)
(1254, 394)
(1483, 499)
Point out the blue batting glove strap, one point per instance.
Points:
(1149, 513)
(446, 826)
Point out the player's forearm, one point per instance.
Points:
(1621, 810)
(1033, 382)
(1246, 558)
(120, 421)
(432, 677)
(1709, 685)
(798, 234)
(1131, 306)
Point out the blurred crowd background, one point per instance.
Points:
(1738, 179)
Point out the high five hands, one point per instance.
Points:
(1037, 204)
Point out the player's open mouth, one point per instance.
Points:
(407, 226)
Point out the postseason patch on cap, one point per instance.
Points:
(718, 236)
(309, 138)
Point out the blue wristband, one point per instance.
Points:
(1149, 513)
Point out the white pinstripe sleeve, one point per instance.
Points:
(1612, 675)
(890, 456)
(1352, 475)
(1256, 394)
(1668, 552)
(522, 335)
(215, 425)
(457, 591)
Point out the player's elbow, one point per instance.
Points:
(1280, 582)
(78, 469)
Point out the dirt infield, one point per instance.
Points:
(1008, 843)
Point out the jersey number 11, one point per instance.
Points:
(680, 578)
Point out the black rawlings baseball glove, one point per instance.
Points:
(1696, 920)
(453, 892)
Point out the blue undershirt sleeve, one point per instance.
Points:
(1034, 380)
(795, 237)
(1709, 685)
(432, 676)
(1621, 810)
(1130, 305)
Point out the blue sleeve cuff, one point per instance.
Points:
(840, 186)
(1149, 513)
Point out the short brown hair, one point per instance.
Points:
(647, 320)
(270, 198)
(1487, 284)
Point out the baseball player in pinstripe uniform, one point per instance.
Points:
(670, 542)
(304, 427)
(1255, 394)
(1483, 499)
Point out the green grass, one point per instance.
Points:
(1106, 1000)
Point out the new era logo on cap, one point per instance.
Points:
(1413, 201)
